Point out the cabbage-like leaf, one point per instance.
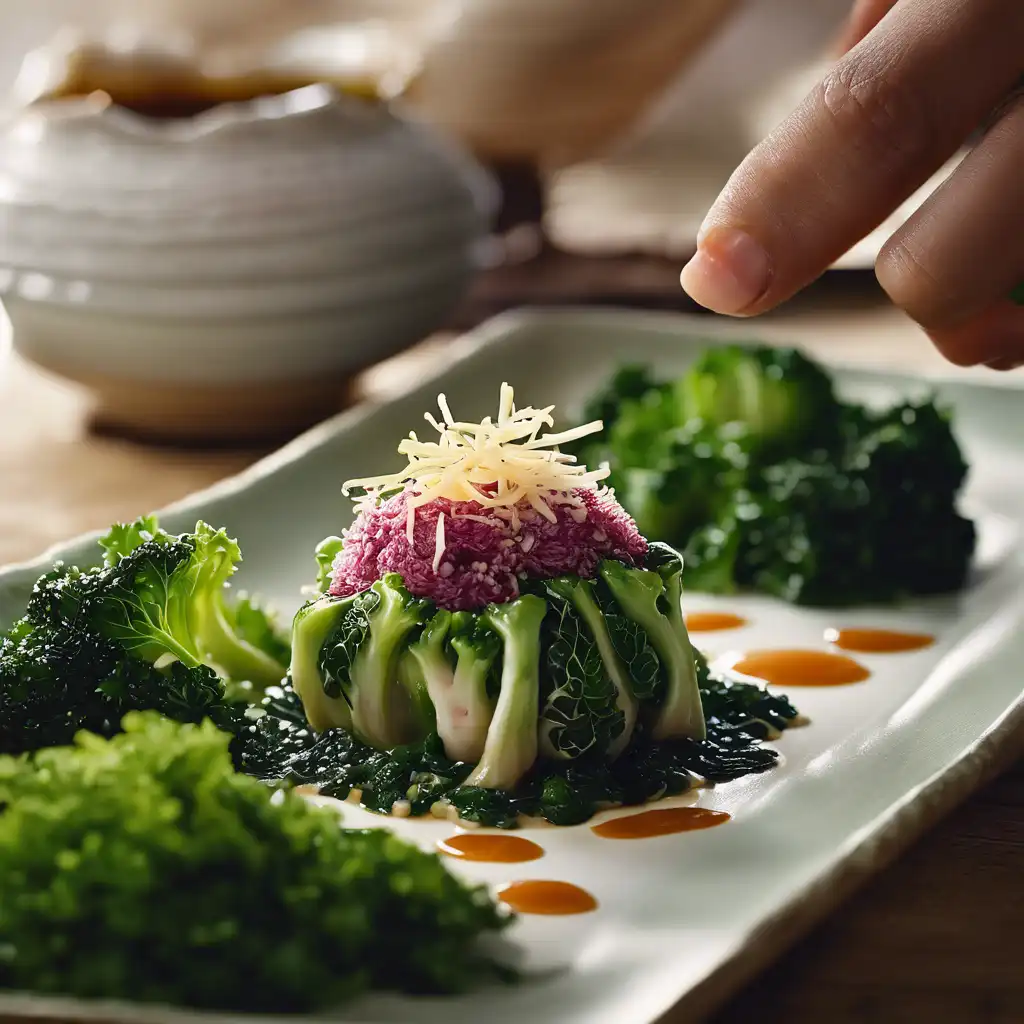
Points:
(578, 701)
(637, 654)
(340, 651)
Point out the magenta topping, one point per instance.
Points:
(483, 562)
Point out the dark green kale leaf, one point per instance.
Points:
(151, 628)
(352, 630)
(578, 710)
(739, 717)
(874, 522)
(637, 654)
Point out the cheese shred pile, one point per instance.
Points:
(500, 464)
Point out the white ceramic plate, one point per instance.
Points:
(683, 919)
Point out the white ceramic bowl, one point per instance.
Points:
(255, 254)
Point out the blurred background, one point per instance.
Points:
(612, 124)
(216, 217)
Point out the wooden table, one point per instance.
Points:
(936, 938)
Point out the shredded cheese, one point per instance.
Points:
(439, 543)
(504, 465)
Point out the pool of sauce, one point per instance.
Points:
(488, 848)
(877, 641)
(801, 668)
(664, 821)
(166, 92)
(534, 896)
(709, 622)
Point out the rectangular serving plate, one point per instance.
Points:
(683, 920)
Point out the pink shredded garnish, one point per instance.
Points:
(478, 566)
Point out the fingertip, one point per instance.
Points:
(994, 337)
(730, 271)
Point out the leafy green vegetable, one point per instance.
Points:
(319, 650)
(781, 397)
(582, 595)
(150, 628)
(876, 523)
(360, 659)
(628, 383)
(456, 656)
(144, 868)
(634, 649)
(752, 466)
(327, 552)
(652, 598)
(565, 792)
(676, 487)
(511, 745)
(578, 711)
(257, 625)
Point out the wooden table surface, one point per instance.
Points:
(935, 938)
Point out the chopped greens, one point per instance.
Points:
(563, 791)
(144, 868)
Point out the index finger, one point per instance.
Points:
(885, 117)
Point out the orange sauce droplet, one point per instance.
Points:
(533, 896)
(708, 622)
(488, 848)
(877, 641)
(802, 668)
(664, 821)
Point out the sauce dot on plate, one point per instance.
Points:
(877, 641)
(801, 668)
(493, 849)
(534, 896)
(663, 821)
(709, 622)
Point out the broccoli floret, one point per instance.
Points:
(165, 595)
(144, 868)
(511, 746)
(752, 466)
(782, 398)
(134, 633)
(213, 623)
(652, 599)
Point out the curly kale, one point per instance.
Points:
(564, 792)
(875, 522)
(752, 466)
(150, 628)
(144, 868)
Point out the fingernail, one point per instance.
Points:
(730, 271)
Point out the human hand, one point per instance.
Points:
(918, 78)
